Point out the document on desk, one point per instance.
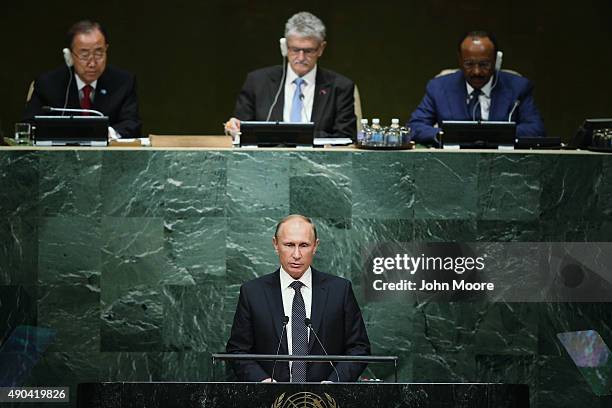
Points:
(334, 141)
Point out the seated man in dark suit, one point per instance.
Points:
(297, 291)
(476, 92)
(309, 93)
(88, 83)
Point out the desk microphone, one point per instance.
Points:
(285, 321)
(63, 110)
(308, 324)
(516, 104)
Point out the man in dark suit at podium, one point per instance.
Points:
(479, 91)
(87, 82)
(308, 93)
(298, 292)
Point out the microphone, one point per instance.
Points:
(52, 109)
(308, 324)
(516, 104)
(285, 321)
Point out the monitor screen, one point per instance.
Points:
(70, 130)
(282, 134)
(583, 139)
(472, 134)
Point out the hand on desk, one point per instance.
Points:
(232, 127)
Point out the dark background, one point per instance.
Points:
(191, 57)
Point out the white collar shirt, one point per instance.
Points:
(484, 97)
(308, 90)
(81, 85)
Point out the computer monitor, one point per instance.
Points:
(583, 139)
(276, 134)
(71, 130)
(477, 135)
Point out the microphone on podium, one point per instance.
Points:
(52, 109)
(308, 324)
(285, 321)
(516, 104)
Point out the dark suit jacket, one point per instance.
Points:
(115, 97)
(445, 99)
(335, 316)
(333, 108)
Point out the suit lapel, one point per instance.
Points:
(275, 304)
(101, 99)
(319, 303)
(277, 112)
(457, 98)
(501, 100)
(321, 96)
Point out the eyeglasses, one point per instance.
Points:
(309, 52)
(484, 65)
(98, 55)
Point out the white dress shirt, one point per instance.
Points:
(81, 85)
(484, 98)
(288, 294)
(308, 90)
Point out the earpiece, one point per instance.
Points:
(67, 57)
(283, 46)
(498, 60)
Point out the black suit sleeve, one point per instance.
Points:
(245, 103)
(345, 121)
(242, 341)
(356, 342)
(127, 123)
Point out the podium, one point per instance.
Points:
(301, 395)
(308, 358)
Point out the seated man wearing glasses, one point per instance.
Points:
(476, 92)
(309, 93)
(86, 82)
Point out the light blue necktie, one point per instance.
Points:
(297, 105)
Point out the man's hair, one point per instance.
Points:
(289, 217)
(478, 34)
(84, 27)
(305, 24)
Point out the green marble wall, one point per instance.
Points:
(136, 257)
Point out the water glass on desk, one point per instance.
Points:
(23, 132)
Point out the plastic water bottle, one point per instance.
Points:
(378, 135)
(393, 133)
(406, 135)
(361, 135)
